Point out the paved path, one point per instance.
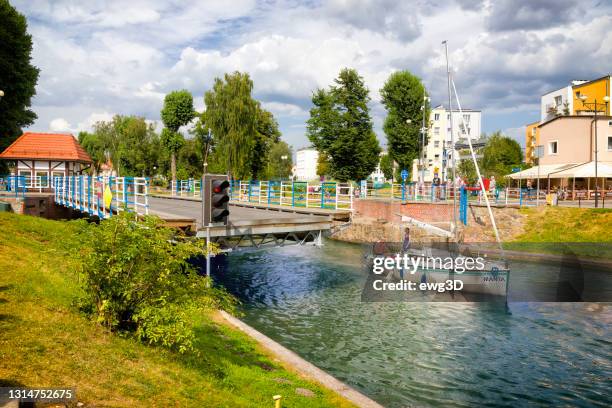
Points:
(168, 208)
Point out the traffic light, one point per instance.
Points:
(216, 199)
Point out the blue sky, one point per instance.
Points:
(100, 58)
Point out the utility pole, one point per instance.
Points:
(606, 99)
(450, 108)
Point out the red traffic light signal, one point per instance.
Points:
(216, 199)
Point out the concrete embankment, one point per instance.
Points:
(302, 366)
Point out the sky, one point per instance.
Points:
(101, 58)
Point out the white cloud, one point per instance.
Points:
(59, 125)
(123, 57)
(283, 109)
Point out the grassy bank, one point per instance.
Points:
(44, 341)
(582, 231)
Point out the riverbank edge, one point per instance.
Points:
(300, 365)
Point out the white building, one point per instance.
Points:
(377, 175)
(554, 103)
(438, 152)
(306, 164)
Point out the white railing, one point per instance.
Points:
(102, 196)
(186, 188)
(329, 195)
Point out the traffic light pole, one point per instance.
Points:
(207, 250)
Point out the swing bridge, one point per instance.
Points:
(252, 222)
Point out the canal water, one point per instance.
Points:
(422, 354)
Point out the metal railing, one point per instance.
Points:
(29, 183)
(407, 192)
(102, 196)
(329, 195)
(13, 186)
(186, 188)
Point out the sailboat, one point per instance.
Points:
(492, 278)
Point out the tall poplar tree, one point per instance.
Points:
(403, 95)
(340, 126)
(177, 111)
(231, 114)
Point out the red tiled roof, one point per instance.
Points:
(46, 146)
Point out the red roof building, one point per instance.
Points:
(41, 156)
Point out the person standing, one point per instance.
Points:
(436, 186)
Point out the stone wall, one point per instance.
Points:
(380, 220)
(392, 211)
(38, 205)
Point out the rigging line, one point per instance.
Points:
(482, 187)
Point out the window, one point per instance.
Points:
(436, 116)
(552, 147)
(436, 131)
(448, 116)
(558, 100)
(533, 132)
(466, 119)
(609, 143)
(437, 143)
(437, 156)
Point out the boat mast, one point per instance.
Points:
(450, 108)
(482, 186)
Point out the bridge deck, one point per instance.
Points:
(243, 221)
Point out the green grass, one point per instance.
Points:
(560, 230)
(44, 341)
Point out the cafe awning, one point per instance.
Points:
(542, 171)
(584, 170)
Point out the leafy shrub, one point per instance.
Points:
(136, 276)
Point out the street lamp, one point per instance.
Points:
(423, 131)
(583, 98)
(1, 93)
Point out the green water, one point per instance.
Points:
(423, 354)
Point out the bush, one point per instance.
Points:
(137, 277)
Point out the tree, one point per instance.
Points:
(280, 161)
(18, 76)
(177, 111)
(136, 276)
(94, 146)
(386, 166)
(501, 150)
(138, 146)
(203, 140)
(266, 135)
(340, 126)
(466, 169)
(499, 155)
(403, 96)
(232, 114)
(131, 144)
(322, 164)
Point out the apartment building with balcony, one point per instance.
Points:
(439, 151)
(576, 99)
